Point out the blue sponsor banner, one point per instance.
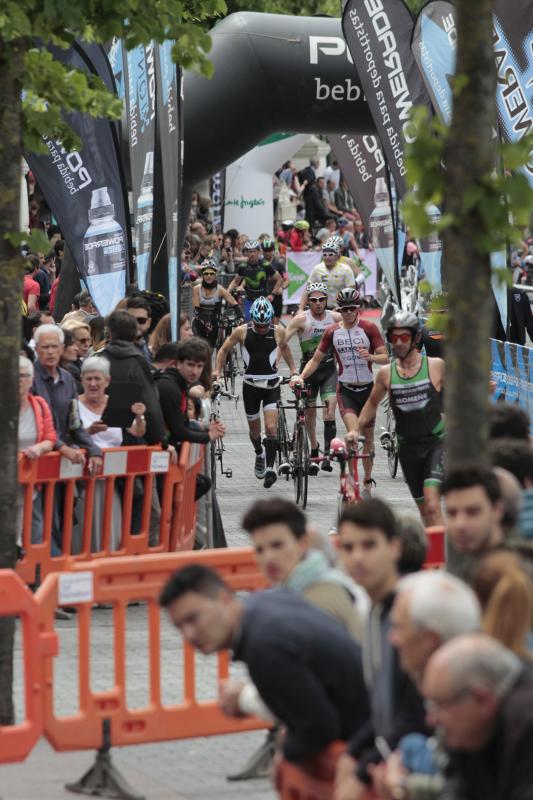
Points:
(512, 372)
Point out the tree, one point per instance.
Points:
(50, 89)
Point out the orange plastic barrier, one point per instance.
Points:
(96, 502)
(119, 582)
(436, 553)
(17, 741)
(315, 779)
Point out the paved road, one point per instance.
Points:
(190, 769)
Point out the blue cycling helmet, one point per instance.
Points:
(262, 311)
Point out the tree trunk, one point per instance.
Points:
(10, 311)
(469, 157)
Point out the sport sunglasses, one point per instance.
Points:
(400, 337)
(345, 309)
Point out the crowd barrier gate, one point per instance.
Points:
(137, 469)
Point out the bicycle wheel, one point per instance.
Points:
(213, 458)
(301, 455)
(283, 442)
(392, 453)
(297, 466)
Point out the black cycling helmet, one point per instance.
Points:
(348, 297)
(405, 319)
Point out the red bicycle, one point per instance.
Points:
(349, 489)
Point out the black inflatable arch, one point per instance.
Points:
(272, 73)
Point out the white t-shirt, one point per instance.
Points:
(112, 437)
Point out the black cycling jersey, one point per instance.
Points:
(259, 353)
(256, 278)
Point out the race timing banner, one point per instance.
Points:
(85, 191)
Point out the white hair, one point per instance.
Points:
(25, 363)
(42, 330)
(441, 603)
(479, 661)
(96, 364)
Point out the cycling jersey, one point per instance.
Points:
(352, 368)
(338, 277)
(259, 354)
(312, 333)
(256, 278)
(417, 406)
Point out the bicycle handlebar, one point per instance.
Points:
(220, 392)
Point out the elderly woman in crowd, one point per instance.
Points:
(36, 436)
(95, 378)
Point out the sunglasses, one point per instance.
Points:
(209, 273)
(317, 299)
(400, 337)
(348, 309)
(142, 320)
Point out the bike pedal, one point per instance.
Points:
(385, 440)
(284, 469)
(229, 473)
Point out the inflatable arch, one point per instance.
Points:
(272, 73)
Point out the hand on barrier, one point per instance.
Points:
(73, 455)
(33, 452)
(96, 464)
(228, 697)
(173, 454)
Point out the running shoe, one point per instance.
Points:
(366, 491)
(260, 465)
(326, 465)
(270, 478)
(313, 466)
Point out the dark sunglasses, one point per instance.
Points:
(317, 299)
(208, 272)
(346, 309)
(400, 337)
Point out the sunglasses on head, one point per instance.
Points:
(400, 337)
(345, 309)
(317, 299)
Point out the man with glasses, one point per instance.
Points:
(139, 308)
(356, 344)
(414, 384)
(331, 271)
(254, 275)
(310, 326)
(260, 340)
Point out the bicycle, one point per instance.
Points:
(389, 439)
(284, 439)
(349, 489)
(227, 323)
(217, 447)
(298, 461)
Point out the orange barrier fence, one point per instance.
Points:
(119, 512)
(436, 552)
(315, 780)
(120, 582)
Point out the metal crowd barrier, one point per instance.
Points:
(120, 512)
(512, 371)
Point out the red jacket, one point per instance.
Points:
(43, 419)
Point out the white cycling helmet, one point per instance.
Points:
(313, 288)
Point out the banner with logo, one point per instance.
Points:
(299, 267)
(370, 268)
(378, 34)
(169, 129)
(513, 52)
(363, 165)
(140, 69)
(85, 192)
(218, 195)
(433, 45)
(512, 372)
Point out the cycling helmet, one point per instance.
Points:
(348, 297)
(262, 311)
(301, 225)
(268, 244)
(317, 287)
(287, 223)
(251, 244)
(404, 319)
(332, 245)
(209, 263)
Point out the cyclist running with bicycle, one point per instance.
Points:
(310, 326)
(332, 271)
(260, 340)
(207, 300)
(254, 275)
(414, 384)
(357, 344)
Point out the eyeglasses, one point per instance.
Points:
(400, 337)
(142, 320)
(348, 309)
(317, 299)
(209, 273)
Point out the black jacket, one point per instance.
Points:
(315, 210)
(503, 769)
(306, 668)
(128, 364)
(172, 390)
(520, 316)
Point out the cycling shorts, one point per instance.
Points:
(253, 396)
(422, 466)
(351, 399)
(277, 305)
(324, 381)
